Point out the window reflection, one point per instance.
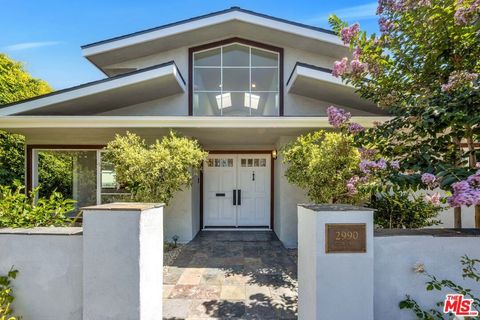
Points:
(236, 80)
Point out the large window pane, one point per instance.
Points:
(264, 79)
(262, 58)
(207, 58)
(207, 79)
(236, 79)
(73, 173)
(265, 103)
(246, 82)
(236, 55)
(239, 106)
(208, 103)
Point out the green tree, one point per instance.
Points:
(403, 209)
(15, 84)
(154, 173)
(321, 163)
(423, 68)
(12, 157)
(55, 170)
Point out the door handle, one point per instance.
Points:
(239, 197)
(220, 194)
(234, 197)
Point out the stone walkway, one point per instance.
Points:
(231, 275)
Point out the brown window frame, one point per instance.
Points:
(211, 45)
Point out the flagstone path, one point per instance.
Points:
(231, 275)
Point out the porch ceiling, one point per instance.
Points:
(212, 132)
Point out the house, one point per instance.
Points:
(241, 82)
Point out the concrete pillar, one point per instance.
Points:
(335, 262)
(123, 261)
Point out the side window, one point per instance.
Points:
(110, 190)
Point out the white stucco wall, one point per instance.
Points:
(49, 263)
(195, 205)
(122, 263)
(395, 257)
(447, 217)
(178, 218)
(287, 196)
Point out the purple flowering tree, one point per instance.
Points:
(424, 69)
(330, 167)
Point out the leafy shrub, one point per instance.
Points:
(154, 173)
(6, 296)
(402, 209)
(321, 163)
(18, 210)
(469, 271)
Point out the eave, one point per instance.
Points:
(319, 83)
(130, 88)
(218, 25)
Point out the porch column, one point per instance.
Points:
(123, 261)
(335, 262)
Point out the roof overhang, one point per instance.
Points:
(106, 94)
(319, 83)
(218, 25)
(212, 132)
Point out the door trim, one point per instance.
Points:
(272, 170)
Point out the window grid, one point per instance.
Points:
(249, 67)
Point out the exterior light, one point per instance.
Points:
(274, 154)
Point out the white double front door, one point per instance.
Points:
(236, 190)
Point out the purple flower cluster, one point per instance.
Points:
(465, 14)
(358, 67)
(348, 33)
(357, 53)
(352, 185)
(429, 180)
(354, 128)
(385, 25)
(433, 199)
(400, 5)
(366, 154)
(395, 164)
(337, 117)
(466, 192)
(366, 166)
(458, 79)
(474, 180)
(340, 67)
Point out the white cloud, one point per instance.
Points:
(361, 12)
(30, 45)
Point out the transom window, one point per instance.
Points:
(235, 80)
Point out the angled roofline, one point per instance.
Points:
(5, 109)
(92, 83)
(232, 9)
(306, 65)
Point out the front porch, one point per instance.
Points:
(237, 274)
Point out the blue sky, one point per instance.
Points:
(47, 35)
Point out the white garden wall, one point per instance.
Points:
(49, 260)
(394, 276)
